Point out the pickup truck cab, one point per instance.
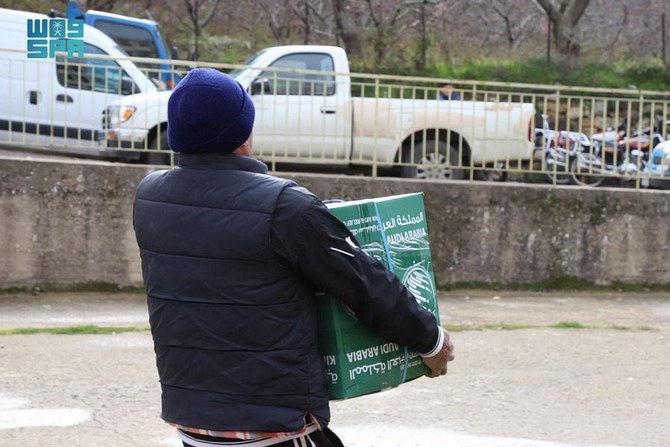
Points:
(306, 113)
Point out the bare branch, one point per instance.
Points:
(211, 14)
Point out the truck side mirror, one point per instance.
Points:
(128, 86)
(261, 86)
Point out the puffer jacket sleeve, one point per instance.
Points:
(315, 244)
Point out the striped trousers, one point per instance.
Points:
(318, 438)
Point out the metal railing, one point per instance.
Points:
(380, 123)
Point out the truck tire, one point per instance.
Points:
(496, 174)
(156, 158)
(432, 159)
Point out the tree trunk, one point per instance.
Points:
(420, 62)
(306, 41)
(346, 37)
(564, 20)
(101, 5)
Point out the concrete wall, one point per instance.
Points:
(71, 223)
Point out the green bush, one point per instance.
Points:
(647, 75)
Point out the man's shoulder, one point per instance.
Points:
(295, 195)
(152, 179)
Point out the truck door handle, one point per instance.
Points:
(327, 110)
(32, 96)
(64, 98)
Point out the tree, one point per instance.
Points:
(195, 12)
(305, 17)
(387, 21)
(345, 31)
(290, 19)
(516, 19)
(564, 18)
(282, 21)
(424, 43)
(101, 5)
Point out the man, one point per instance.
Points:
(447, 93)
(233, 262)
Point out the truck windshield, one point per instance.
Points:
(136, 42)
(246, 63)
(288, 83)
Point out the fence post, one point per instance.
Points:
(376, 152)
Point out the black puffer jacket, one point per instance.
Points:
(232, 259)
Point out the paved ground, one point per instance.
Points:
(532, 387)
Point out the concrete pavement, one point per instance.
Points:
(530, 384)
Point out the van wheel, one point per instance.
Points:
(432, 159)
(159, 142)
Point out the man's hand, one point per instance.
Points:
(438, 363)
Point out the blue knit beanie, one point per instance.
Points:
(209, 111)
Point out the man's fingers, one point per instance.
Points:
(447, 341)
(438, 364)
(450, 352)
(434, 373)
(448, 347)
(437, 373)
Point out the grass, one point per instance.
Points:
(646, 75)
(94, 287)
(519, 326)
(75, 330)
(107, 330)
(569, 325)
(485, 327)
(565, 283)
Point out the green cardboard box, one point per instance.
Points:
(393, 230)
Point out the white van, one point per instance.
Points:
(57, 103)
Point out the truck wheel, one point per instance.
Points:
(496, 174)
(159, 142)
(432, 160)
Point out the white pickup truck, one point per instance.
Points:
(306, 112)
